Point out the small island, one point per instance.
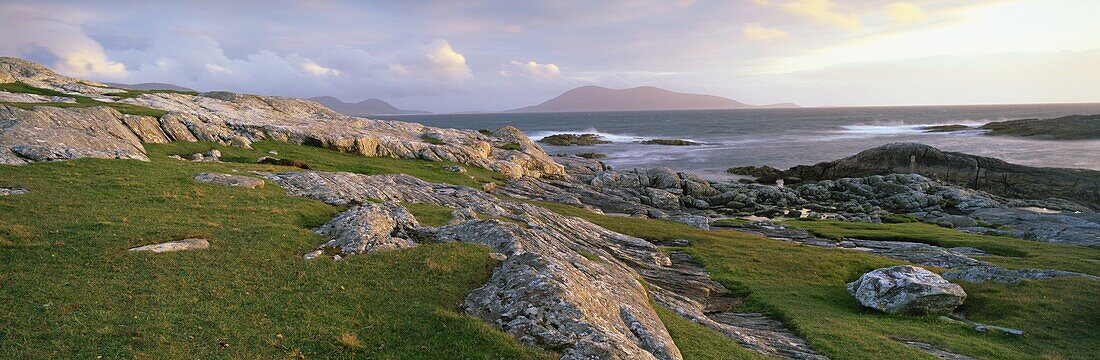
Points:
(669, 142)
(573, 139)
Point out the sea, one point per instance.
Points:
(786, 137)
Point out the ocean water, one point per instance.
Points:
(786, 137)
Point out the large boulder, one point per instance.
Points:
(906, 289)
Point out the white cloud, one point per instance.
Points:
(756, 32)
(823, 11)
(906, 13)
(444, 61)
(217, 69)
(531, 68)
(24, 29)
(318, 70)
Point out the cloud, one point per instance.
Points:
(318, 70)
(444, 61)
(25, 29)
(217, 69)
(531, 68)
(906, 13)
(756, 32)
(822, 11)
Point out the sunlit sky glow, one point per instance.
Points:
(495, 55)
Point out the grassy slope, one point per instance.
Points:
(82, 101)
(804, 286)
(70, 290)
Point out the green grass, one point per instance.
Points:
(805, 287)
(511, 146)
(129, 94)
(1006, 251)
(431, 140)
(321, 159)
(81, 101)
(429, 214)
(71, 290)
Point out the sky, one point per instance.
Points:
(484, 55)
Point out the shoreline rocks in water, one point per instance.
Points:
(1073, 127)
(669, 142)
(573, 139)
(971, 171)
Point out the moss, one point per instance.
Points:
(511, 146)
(431, 140)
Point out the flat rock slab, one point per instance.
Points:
(230, 180)
(13, 191)
(178, 245)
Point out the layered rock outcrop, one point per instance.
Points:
(50, 133)
(565, 283)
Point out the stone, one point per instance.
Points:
(178, 245)
(455, 169)
(5, 191)
(370, 227)
(695, 221)
(230, 180)
(906, 289)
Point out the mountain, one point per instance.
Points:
(149, 86)
(365, 107)
(596, 98)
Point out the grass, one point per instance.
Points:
(429, 214)
(71, 290)
(431, 140)
(1005, 251)
(321, 159)
(81, 101)
(805, 287)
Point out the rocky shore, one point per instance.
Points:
(1073, 127)
(566, 284)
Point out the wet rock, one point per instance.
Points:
(230, 180)
(906, 289)
(178, 245)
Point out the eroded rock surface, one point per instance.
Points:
(906, 289)
(545, 293)
(178, 245)
(370, 227)
(230, 180)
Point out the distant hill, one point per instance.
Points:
(149, 86)
(365, 107)
(596, 98)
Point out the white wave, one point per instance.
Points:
(900, 128)
(615, 138)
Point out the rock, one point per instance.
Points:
(906, 289)
(1073, 127)
(178, 245)
(763, 174)
(5, 191)
(370, 227)
(455, 169)
(695, 221)
(975, 172)
(591, 155)
(545, 293)
(282, 162)
(273, 152)
(573, 139)
(51, 133)
(670, 142)
(935, 351)
(230, 180)
(498, 256)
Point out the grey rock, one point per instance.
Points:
(5, 191)
(906, 289)
(178, 245)
(695, 221)
(230, 180)
(369, 228)
(935, 351)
